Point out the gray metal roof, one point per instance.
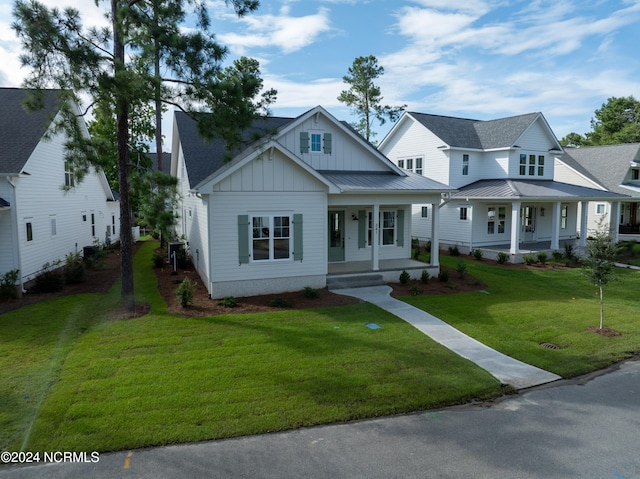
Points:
(372, 181)
(203, 158)
(21, 131)
(606, 165)
(531, 189)
(477, 134)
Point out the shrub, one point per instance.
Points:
(8, 284)
(502, 257)
(635, 249)
(185, 292)
(542, 257)
(454, 251)
(425, 276)
(98, 256)
(477, 254)
(461, 268)
(50, 280)
(443, 276)
(529, 258)
(228, 302)
(415, 291)
(404, 277)
(416, 253)
(557, 256)
(311, 293)
(569, 255)
(157, 259)
(75, 271)
(279, 303)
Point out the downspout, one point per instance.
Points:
(15, 239)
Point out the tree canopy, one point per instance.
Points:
(365, 98)
(616, 121)
(114, 67)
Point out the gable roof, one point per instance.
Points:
(604, 165)
(203, 158)
(530, 190)
(166, 162)
(477, 134)
(21, 131)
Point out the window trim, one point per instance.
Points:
(564, 216)
(69, 176)
(465, 164)
(424, 213)
(381, 228)
(604, 209)
(28, 231)
(271, 238)
(463, 214)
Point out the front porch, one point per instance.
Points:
(388, 272)
(491, 252)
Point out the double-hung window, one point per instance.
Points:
(523, 164)
(69, 180)
(419, 166)
(271, 237)
(316, 142)
(564, 214)
(463, 213)
(387, 228)
(465, 165)
(496, 218)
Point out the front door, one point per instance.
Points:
(336, 235)
(528, 222)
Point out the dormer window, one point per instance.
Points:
(530, 167)
(316, 142)
(635, 174)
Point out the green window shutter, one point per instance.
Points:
(400, 227)
(362, 229)
(304, 142)
(327, 143)
(243, 239)
(297, 237)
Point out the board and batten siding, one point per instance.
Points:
(346, 152)
(40, 199)
(412, 140)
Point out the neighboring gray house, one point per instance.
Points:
(507, 198)
(39, 222)
(614, 168)
(308, 198)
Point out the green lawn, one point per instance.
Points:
(72, 381)
(523, 308)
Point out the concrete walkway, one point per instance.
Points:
(506, 369)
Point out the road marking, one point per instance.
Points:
(127, 460)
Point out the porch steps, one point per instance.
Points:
(355, 281)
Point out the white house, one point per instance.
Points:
(40, 222)
(614, 168)
(503, 170)
(309, 198)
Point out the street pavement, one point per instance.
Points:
(582, 428)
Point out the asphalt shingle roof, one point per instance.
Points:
(21, 131)
(477, 134)
(606, 165)
(533, 189)
(203, 158)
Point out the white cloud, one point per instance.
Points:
(283, 31)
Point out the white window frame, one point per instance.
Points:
(69, 176)
(315, 134)
(465, 165)
(564, 215)
(28, 230)
(418, 169)
(424, 213)
(271, 237)
(381, 219)
(401, 164)
(604, 209)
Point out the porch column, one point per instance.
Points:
(555, 226)
(515, 228)
(375, 238)
(614, 221)
(435, 235)
(584, 215)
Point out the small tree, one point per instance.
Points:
(599, 263)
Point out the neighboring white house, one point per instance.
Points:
(308, 198)
(614, 168)
(39, 221)
(503, 171)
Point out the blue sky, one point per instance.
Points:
(478, 59)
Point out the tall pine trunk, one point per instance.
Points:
(122, 134)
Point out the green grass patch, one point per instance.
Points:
(73, 380)
(525, 308)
